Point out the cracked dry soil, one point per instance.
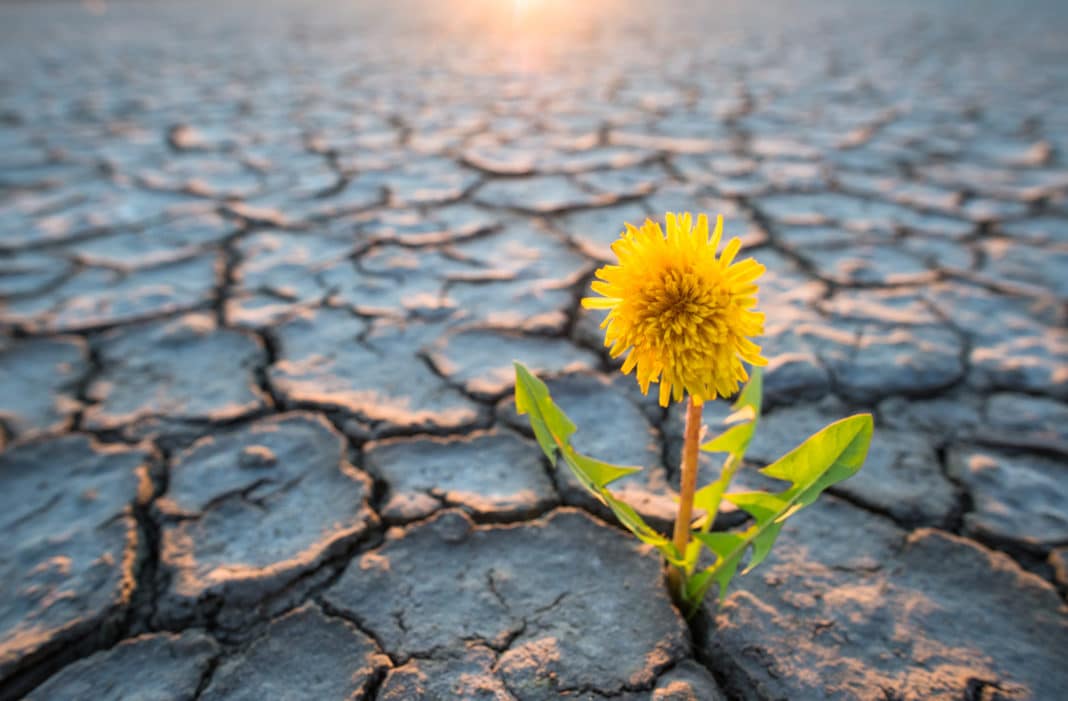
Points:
(264, 268)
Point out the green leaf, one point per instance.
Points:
(752, 394)
(763, 507)
(728, 548)
(693, 552)
(722, 544)
(760, 505)
(708, 499)
(637, 525)
(695, 588)
(734, 441)
(551, 427)
(829, 456)
(599, 472)
(554, 429)
(762, 543)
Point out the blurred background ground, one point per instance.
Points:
(264, 268)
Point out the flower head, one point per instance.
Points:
(683, 315)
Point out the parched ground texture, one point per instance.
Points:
(264, 268)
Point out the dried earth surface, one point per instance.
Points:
(264, 268)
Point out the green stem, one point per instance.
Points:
(687, 488)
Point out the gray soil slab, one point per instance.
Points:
(1038, 229)
(305, 210)
(537, 306)
(425, 181)
(398, 281)
(902, 475)
(442, 225)
(154, 667)
(527, 591)
(795, 370)
(866, 217)
(461, 673)
(867, 265)
(784, 283)
(73, 544)
(540, 195)
(1017, 344)
(207, 175)
(940, 419)
(303, 654)
(286, 264)
(624, 182)
(901, 306)
(481, 360)
(595, 230)
(96, 297)
(1036, 363)
(91, 207)
(868, 362)
(30, 272)
(235, 524)
(38, 383)
(324, 361)
(851, 607)
(1028, 417)
(525, 249)
(1018, 498)
(154, 245)
(687, 681)
(185, 369)
(493, 474)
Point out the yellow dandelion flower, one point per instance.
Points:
(684, 316)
